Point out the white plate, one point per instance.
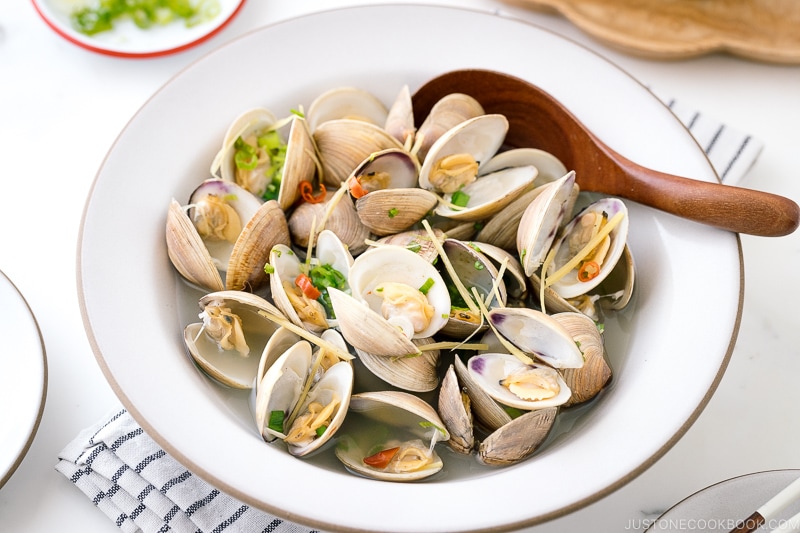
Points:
(723, 505)
(127, 40)
(668, 352)
(23, 381)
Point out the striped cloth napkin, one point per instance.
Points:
(142, 489)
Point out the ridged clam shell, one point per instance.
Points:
(540, 221)
(346, 103)
(457, 416)
(518, 439)
(585, 382)
(390, 211)
(343, 144)
(449, 111)
(417, 373)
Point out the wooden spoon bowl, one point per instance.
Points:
(538, 120)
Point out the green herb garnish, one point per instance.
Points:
(459, 198)
(91, 20)
(426, 286)
(276, 421)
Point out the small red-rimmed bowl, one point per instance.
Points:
(127, 40)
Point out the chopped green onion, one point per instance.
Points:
(478, 265)
(245, 155)
(459, 198)
(414, 247)
(144, 13)
(276, 421)
(269, 269)
(426, 286)
(322, 277)
(321, 430)
(393, 212)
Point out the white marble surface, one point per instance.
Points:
(61, 108)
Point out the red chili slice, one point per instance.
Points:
(356, 189)
(381, 459)
(308, 288)
(307, 192)
(588, 271)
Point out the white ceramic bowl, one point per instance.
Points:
(668, 351)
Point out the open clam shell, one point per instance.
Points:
(248, 126)
(228, 343)
(478, 138)
(573, 239)
(343, 144)
(474, 269)
(235, 232)
(488, 412)
(539, 334)
(417, 313)
(351, 103)
(612, 294)
(455, 409)
(389, 200)
(449, 111)
(509, 380)
(406, 419)
(280, 163)
(300, 163)
(291, 387)
(330, 253)
(587, 381)
(417, 373)
(539, 223)
(400, 119)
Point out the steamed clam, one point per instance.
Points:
(228, 342)
(396, 296)
(299, 288)
(224, 228)
(303, 397)
(403, 449)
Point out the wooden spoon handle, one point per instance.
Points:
(724, 206)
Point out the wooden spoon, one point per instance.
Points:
(538, 120)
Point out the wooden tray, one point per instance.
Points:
(763, 30)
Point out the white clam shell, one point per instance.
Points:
(281, 389)
(346, 103)
(253, 120)
(569, 286)
(399, 412)
(228, 366)
(540, 221)
(549, 167)
(489, 369)
(537, 333)
(480, 137)
(395, 264)
(490, 193)
(243, 202)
